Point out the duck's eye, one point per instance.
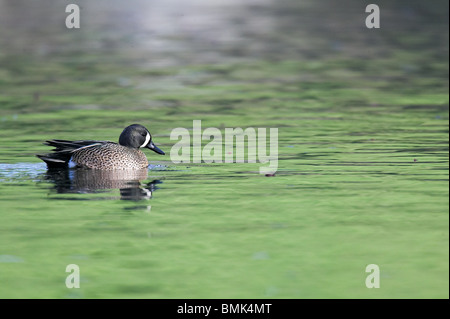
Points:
(144, 133)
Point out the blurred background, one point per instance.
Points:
(196, 31)
(158, 47)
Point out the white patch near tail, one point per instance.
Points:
(72, 164)
(147, 139)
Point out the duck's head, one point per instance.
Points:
(137, 136)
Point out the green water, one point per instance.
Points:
(362, 118)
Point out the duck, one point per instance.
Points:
(103, 155)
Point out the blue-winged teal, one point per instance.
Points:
(103, 154)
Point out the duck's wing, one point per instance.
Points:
(63, 151)
(70, 146)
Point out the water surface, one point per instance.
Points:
(362, 178)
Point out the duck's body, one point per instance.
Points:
(103, 155)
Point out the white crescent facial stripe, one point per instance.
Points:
(147, 139)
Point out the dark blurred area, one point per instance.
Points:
(179, 32)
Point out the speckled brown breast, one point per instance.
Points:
(109, 156)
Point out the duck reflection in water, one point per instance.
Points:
(96, 181)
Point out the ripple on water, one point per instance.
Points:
(20, 171)
(10, 259)
(32, 171)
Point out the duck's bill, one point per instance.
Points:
(155, 148)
